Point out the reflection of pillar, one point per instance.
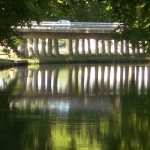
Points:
(76, 79)
(115, 75)
(121, 80)
(102, 81)
(109, 47)
(96, 79)
(108, 80)
(77, 46)
(42, 80)
(96, 47)
(29, 80)
(56, 49)
(83, 46)
(36, 50)
(43, 47)
(55, 79)
(82, 79)
(89, 46)
(70, 80)
(88, 79)
(142, 82)
(126, 78)
(49, 45)
(49, 76)
(137, 76)
(148, 80)
(35, 81)
(122, 47)
(70, 47)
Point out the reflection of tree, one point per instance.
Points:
(6, 95)
(132, 130)
(121, 129)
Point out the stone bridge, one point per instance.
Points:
(76, 38)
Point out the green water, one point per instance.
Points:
(75, 107)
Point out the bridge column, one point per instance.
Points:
(35, 46)
(109, 47)
(23, 49)
(126, 46)
(70, 47)
(83, 46)
(96, 47)
(43, 53)
(144, 46)
(77, 46)
(49, 47)
(103, 47)
(122, 47)
(138, 48)
(30, 50)
(56, 49)
(133, 49)
(89, 46)
(115, 47)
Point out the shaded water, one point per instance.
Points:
(76, 107)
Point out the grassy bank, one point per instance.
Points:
(76, 59)
(90, 59)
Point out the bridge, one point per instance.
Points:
(81, 38)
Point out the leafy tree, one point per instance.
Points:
(16, 13)
(135, 15)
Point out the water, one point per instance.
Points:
(75, 107)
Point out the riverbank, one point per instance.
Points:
(10, 62)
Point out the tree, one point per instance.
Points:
(135, 15)
(16, 13)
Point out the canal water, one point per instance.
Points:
(75, 107)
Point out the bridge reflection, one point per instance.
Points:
(84, 80)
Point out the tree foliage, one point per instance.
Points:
(16, 13)
(134, 14)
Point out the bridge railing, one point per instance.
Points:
(49, 24)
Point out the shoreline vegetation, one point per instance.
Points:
(65, 59)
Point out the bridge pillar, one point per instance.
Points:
(56, 48)
(49, 47)
(83, 46)
(43, 52)
(126, 46)
(133, 49)
(115, 47)
(109, 47)
(89, 46)
(122, 47)
(30, 49)
(103, 47)
(96, 47)
(138, 48)
(23, 49)
(77, 46)
(70, 47)
(35, 46)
